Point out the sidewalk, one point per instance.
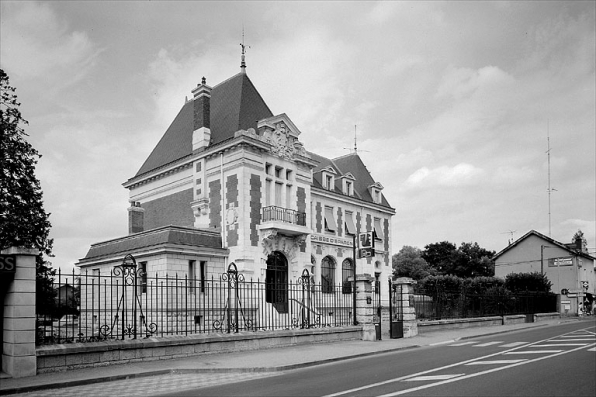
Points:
(259, 361)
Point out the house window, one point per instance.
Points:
(349, 224)
(327, 274)
(192, 276)
(330, 225)
(143, 274)
(378, 229)
(268, 169)
(376, 196)
(289, 175)
(203, 265)
(348, 188)
(278, 172)
(347, 271)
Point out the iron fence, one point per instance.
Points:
(128, 303)
(437, 304)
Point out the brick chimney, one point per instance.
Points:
(201, 135)
(136, 218)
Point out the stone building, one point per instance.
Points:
(229, 181)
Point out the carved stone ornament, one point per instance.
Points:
(200, 207)
(273, 242)
(283, 143)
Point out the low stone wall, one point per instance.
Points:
(438, 325)
(80, 355)
(546, 316)
(515, 319)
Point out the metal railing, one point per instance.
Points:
(273, 213)
(437, 304)
(126, 303)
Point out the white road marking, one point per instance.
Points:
(560, 344)
(465, 343)
(403, 378)
(592, 349)
(496, 362)
(514, 344)
(397, 393)
(489, 343)
(535, 351)
(433, 377)
(573, 340)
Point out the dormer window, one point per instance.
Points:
(375, 193)
(348, 184)
(328, 178)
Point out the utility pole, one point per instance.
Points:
(549, 189)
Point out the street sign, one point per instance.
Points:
(366, 245)
(585, 285)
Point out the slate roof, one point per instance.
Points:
(350, 163)
(154, 238)
(235, 104)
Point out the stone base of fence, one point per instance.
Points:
(515, 319)
(56, 358)
(439, 325)
(546, 316)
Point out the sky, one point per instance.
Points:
(454, 104)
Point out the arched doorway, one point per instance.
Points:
(276, 281)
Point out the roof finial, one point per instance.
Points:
(242, 62)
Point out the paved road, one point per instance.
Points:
(553, 361)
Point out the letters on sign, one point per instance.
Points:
(8, 263)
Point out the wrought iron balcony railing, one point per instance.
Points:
(273, 213)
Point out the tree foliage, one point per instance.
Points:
(23, 220)
(467, 260)
(408, 262)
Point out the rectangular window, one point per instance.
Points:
(202, 275)
(350, 227)
(289, 175)
(268, 169)
(278, 190)
(330, 225)
(288, 196)
(191, 276)
(378, 229)
(143, 266)
(268, 193)
(328, 182)
(278, 172)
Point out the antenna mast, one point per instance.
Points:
(549, 189)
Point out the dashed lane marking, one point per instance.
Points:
(489, 343)
(514, 344)
(535, 352)
(432, 377)
(496, 362)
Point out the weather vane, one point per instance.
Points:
(244, 46)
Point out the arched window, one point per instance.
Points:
(347, 271)
(276, 281)
(327, 274)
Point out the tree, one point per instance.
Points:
(23, 220)
(408, 262)
(469, 260)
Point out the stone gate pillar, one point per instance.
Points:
(18, 300)
(407, 299)
(364, 307)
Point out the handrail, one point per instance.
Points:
(274, 213)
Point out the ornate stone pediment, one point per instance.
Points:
(272, 241)
(282, 135)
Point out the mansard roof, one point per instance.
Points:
(235, 104)
(348, 164)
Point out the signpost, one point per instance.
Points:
(366, 245)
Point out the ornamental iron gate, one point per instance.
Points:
(396, 311)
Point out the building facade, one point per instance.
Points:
(229, 182)
(570, 269)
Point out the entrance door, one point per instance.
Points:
(396, 311)
(276, 281)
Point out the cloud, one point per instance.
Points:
(37, 44)
(460, 175)
(460, 83)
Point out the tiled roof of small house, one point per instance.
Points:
(154, 238)
(235, 104)
(547, 239)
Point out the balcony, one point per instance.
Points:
(285, 221)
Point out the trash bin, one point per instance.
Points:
(378, 331)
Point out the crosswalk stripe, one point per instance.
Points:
(496, 362)
(560, 344)
(592, 349)
(513, 344)
(489, 344)
(433, 377)
(574, 340)
(535, 352)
